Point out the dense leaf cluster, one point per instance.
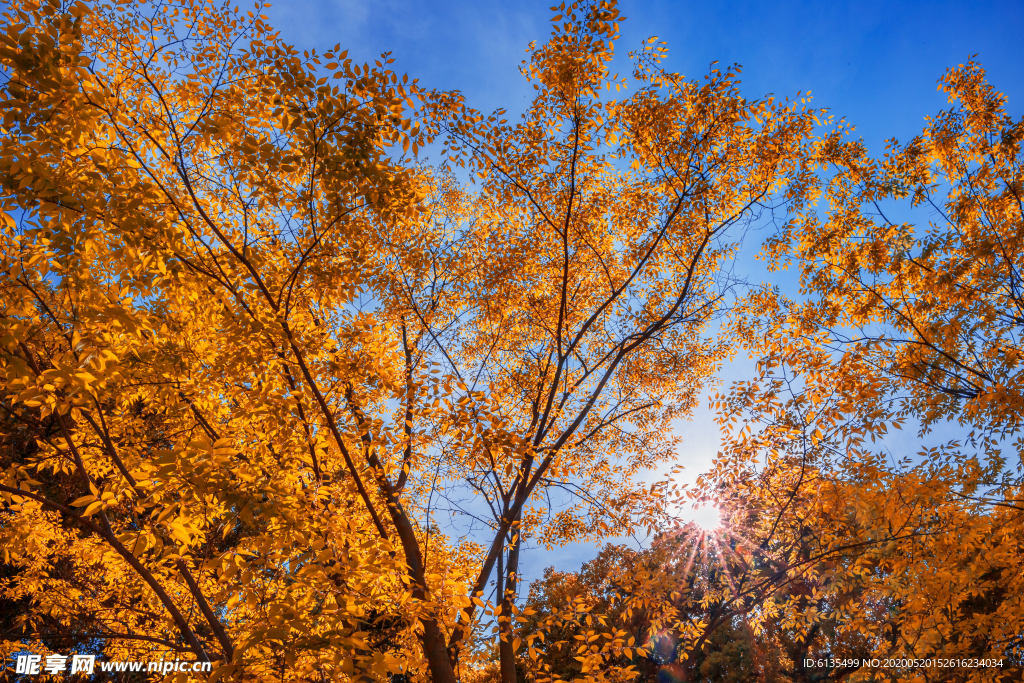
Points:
(276, 394)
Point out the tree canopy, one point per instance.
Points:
(301, 359)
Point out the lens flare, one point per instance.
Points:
(671, 673)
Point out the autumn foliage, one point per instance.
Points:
(281, 394)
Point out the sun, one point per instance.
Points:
(706, 517)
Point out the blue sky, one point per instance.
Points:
(874, 63)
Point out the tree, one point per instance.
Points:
(604, 589)
(876, 560)
(896, 326)
(603, 268)
(930, 312)
(246, 345)
(190, 195)
(660, 608)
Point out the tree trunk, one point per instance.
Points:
(506, 652)
(440, 664)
